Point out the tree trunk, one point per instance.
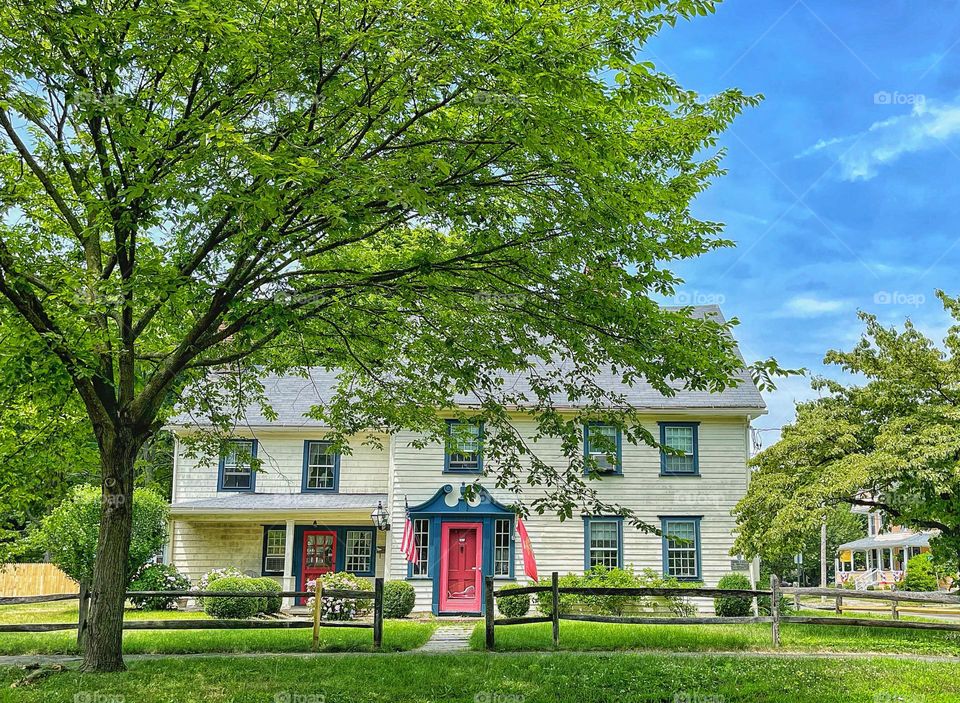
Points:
(103, 651)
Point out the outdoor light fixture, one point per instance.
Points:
(380, 517)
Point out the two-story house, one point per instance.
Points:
(309, 511)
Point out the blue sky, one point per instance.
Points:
(843, 185)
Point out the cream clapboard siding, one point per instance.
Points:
(197, 546)
(364, 470)
(404, 472)
(559, 546)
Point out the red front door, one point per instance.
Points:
(319, 554)
(461, 578)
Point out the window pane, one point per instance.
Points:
(275, 550)
(321, 466)
(463, 446)
(237, 472)
(359, 550)
(604, 544)
(681, 439)
(421, 537)
(501, 549)
(602, 446)
(681, 538)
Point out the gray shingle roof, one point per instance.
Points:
(279, 502)
(890, 539)
(291, 397)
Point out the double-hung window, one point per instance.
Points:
(274, 549)
(602, 445)
(421, 537)
(321, 467)
(502, 538)
(603, 542)
(683, 458)
(359, 551)
(236, 465)
(681, 547)
(463, 447)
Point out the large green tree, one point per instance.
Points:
(420, 193)
(889, 441)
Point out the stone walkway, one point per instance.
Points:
(447, 639)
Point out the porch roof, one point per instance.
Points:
(886, 540)
(278, 503)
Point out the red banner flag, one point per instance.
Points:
(529, 561)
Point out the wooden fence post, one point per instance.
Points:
(317, 598)
(84, 607)
(555, 611)
(775, 609)
(839, 607)
(489, 607)
(378, 613)
(894, 613)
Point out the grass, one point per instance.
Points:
(583, 636)
(474, 678)
(397, 635)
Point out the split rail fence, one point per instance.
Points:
(315, 621)
(774, 619)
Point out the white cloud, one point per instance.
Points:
(860, 156)
(808, 306)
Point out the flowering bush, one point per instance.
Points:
(227, 572)
(342, 608)
(158, 577)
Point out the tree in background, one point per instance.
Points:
(70, 533)
(891, 443)
(422, 195)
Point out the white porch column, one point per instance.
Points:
(288, 581)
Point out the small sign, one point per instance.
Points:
(739, 565)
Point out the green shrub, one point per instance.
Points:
(214, 574)
(600, 577)
(158, 577)
(342, 608)
(270, 604)
(677, 605)
(228, 606)
(399, 597)
(566, 601)
(513, 606)
(733, 606)
(920, 576)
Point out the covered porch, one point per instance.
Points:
(879, 561)
(292, 538)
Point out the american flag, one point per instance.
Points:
(408, 545)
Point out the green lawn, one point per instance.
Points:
(479, 678)
(582, 636)
(68, 611)
(397, 635)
